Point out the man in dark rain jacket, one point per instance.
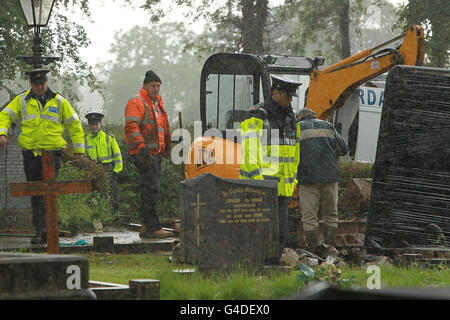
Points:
(318, 176)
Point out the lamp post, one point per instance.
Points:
(37, 13)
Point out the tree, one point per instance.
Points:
(252, 25)
(244, 21)
(13, 40)
(158, 48)
(337, 29)
(61, 38)
(326, 26)
(329, 21)
(434, 15)
(379, 26)
(344, 28)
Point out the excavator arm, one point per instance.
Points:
(330, 87)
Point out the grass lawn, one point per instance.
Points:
(244, 284)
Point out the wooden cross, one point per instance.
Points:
(197, 217)
(49, 188)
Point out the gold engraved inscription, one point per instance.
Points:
(244, 205)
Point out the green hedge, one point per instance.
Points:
(351, 169)
(76, 212)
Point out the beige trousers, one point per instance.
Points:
(315, 197)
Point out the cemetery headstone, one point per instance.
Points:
(228, 221)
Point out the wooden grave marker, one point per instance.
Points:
(50, 188)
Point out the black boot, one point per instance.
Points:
(312, 240)
(329, 235)
(39, 238)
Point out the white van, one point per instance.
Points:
(371, 103)
(359, 119)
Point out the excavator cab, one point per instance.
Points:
(231, 84)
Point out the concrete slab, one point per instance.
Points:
(124, 241)
(38, 276)
(137, 289)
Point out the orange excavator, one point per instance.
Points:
(231, 83)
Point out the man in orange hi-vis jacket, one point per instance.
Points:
(148, 139)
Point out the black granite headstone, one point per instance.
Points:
(410, 200)
(104, 244)
(228, 221)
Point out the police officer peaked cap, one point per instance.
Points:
(151, 76)
(38, 76)
(94, 116)
(287, 85)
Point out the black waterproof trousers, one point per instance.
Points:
(283, 211)
(149, 167)
(114, 184)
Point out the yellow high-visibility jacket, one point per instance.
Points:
(104, 148)
(43, 126)
(270, 146)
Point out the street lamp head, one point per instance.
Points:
(37, 12)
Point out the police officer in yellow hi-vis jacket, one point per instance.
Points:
(270, 148)
(103, 148)
(44, 115)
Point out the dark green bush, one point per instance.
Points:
(76, 212)
(352, 169)
(349, 170)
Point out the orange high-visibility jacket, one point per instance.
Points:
(146, 125)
